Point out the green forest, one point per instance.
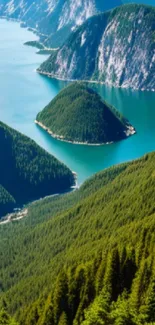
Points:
(68, 255)
(5, 318)
(27, 172)
(86, 257)
(7, 202)
(79, 114)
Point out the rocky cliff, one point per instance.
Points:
(116, 47)
(54, 18)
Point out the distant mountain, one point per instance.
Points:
(56, 18)
(27, 172)
(78, 114)
(116, 47)
(147, 2)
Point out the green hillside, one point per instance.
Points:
(78, 114)
(87, 257)
(7, 202)
(27, 172)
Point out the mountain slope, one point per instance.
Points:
(53, 18)
(79, 115)
(7, 202)
(95, 251)
(116, 47)
(28, 172)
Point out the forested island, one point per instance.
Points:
(27, 172)
(79, 115)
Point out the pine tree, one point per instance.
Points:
(151, 303)
(60, 298)
(63, 319)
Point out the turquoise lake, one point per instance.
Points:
(23, 93)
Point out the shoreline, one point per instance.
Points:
(20, 213)
(29, 28)
(14, 216)
(53, 76)
(37, 43)
(130, 130)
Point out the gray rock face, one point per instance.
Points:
(117, 48)
(54, 18)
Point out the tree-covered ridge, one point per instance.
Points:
(7, 202)
(116, 47)
(91, 253)
(78, 114)
(27, 171)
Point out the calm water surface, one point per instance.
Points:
(23, 93)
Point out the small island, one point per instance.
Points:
(80, 116)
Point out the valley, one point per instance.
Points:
(35, 91)
(81, 251)
(53, 20)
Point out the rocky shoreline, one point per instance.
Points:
(14, 216)
(20, 213)
(53, 76)
(129, 131)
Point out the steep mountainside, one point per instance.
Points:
(54, 18)
(78, 114)
(116, 47)
(7, 202)
(27, 172)
(91, 253)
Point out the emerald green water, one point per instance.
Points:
(23, 93)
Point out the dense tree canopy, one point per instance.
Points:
(5, 319)
(79, 114)
(27, 171)
(7, 202)
(86, 257)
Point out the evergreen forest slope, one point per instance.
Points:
(87, 257)
(27, 172)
